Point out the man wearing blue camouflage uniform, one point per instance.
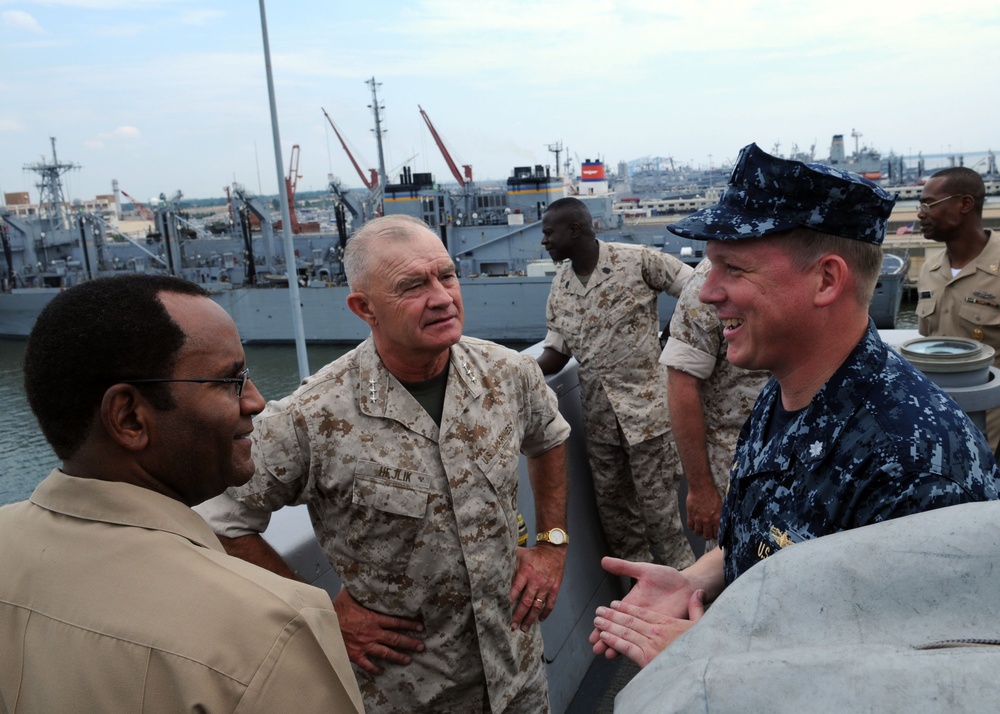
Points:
(846, 433)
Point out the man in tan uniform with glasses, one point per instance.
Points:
(959, 287)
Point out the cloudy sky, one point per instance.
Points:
(168, 95)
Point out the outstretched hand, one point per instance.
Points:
(369, 634)
(639, 633)
(658, 588)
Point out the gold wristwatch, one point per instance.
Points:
(556, 536)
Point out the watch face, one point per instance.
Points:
(557, 537)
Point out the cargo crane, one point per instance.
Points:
(142, 208)
(369, 183)
(447, 157)
(291, 183)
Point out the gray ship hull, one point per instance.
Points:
(503, 309)
(506, 309)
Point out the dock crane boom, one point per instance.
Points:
(369, 183)
(444, 152)
(291, 183)
(141, 207)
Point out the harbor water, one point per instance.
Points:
(26, 458)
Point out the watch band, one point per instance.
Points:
(554, 536)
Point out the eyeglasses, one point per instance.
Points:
(927, 206)
(240, 381)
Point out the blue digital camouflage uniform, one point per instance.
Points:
(878, 441)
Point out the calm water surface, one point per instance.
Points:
(26, 458)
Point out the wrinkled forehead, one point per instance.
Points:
(416, 253)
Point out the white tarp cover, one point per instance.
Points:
(832, 625)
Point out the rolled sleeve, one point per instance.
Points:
(228, 517)
(557, 342)
(546, 427)
(688, 359)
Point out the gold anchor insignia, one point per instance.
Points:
(781, 537)
(977, 334)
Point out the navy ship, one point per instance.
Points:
(492, 231)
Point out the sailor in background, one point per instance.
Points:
(959, 287)
(602, 309)
(845, 434)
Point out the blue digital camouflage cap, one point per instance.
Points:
(769, 195)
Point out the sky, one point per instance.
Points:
(171, 95)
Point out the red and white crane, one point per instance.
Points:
(369, 183)
(142, 208)
(444, 152)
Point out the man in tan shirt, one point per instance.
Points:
(959, 287)
(115, 595)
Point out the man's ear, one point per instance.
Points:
(127, 416)
(360, 305)
(833, 277)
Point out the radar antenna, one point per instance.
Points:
(51, 202)
(556, 149)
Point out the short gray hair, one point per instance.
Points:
(359, 254)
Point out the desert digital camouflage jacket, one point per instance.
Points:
(418, 521)
(612, 326)
(697, 347)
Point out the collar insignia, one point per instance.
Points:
(468, 372)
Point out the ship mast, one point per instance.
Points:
(556, 149)
(51, 202)
(375, 107)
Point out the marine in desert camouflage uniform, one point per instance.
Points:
(416, 504)
(602, 309)
(711, 397)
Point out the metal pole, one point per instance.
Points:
(286, 221)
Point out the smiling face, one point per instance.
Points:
(202, 445)
(763, 301)
(414, 302)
